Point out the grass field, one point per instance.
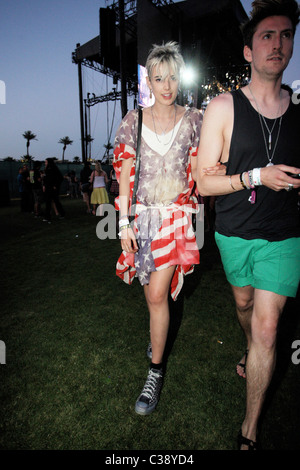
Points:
(76, 339)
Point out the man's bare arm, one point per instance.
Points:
(214, 146)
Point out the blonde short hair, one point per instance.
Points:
(167, 57)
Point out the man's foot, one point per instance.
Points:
(241, 367)
(246, 444)
(148, 399)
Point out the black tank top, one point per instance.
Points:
(274, 216)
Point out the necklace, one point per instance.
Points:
(163, 131)
(262, 120)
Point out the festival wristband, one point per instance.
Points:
(256, 176)
(123, 228)
(124, 221)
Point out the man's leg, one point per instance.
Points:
(267, 309)
(244, 306)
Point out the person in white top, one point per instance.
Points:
(99, 195)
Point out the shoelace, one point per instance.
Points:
(150, 387)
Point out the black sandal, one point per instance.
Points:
(240, 364)
(243, 441)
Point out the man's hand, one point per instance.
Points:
(277, 177)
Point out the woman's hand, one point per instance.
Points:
(218, 170)
(128, 241)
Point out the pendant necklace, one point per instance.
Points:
(164, 131)
(262, 120)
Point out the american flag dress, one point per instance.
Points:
(166, 200)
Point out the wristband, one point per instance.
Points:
(124, 221)
(242, 181)
(123, 228)
(256, 176)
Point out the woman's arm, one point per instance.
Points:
(128, 240)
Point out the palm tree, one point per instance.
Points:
(28, 135)
(88, 140)
(108, 147)
(65, 141)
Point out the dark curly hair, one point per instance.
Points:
(262, 9)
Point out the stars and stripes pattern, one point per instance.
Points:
(164, 234)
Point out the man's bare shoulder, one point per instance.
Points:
(222, 102)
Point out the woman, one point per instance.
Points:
(160, 249)
(99, 195)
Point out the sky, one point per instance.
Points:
(39, 82)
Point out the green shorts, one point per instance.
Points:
(271, 266)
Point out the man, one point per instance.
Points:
(254, 131)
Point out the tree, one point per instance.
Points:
(65, 141)
(88, 140)
(108, 147)
(28, 135)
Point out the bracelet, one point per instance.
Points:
(231, 183)
(256, 177)
(123, 222)
(123, 228)
(242, 181)
(250, 176)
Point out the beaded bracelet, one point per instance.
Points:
(250, 176)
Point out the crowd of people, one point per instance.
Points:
(40, 188)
